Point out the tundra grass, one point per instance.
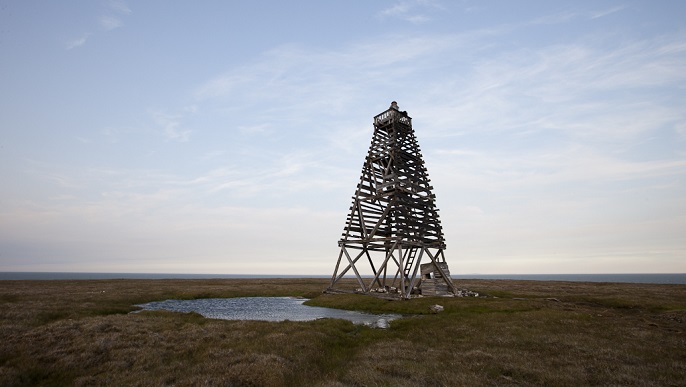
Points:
(527, 333)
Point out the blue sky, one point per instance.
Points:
(228, 137)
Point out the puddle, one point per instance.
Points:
(266, 309)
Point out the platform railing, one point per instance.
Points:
(390, 115)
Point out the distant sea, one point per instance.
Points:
(673, 278)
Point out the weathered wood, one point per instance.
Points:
(393, 219)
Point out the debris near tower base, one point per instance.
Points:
(433, 283)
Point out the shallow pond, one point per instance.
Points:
(266, 309)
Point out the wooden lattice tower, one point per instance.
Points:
(393, 223)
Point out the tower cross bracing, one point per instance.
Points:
(393, 224)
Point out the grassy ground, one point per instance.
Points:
(527, 333)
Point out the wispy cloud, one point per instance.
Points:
(606, 12)
(576, 82)
(562, 17)
(291, 72)
(418, 19)
(119, 6)
(580, 93)
(78, 42)
(255, 129)
(398, 9)
(171, 126)
(109, 23)
(413, 11)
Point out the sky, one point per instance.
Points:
(228, 136)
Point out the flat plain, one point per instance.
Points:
(523, 333)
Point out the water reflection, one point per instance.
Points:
(266, 309)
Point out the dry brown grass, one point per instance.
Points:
(81, 333)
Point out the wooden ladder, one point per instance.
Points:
(409, 260)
